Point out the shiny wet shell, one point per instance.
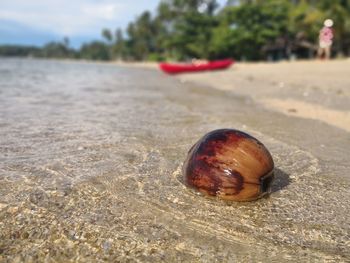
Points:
(229, 164)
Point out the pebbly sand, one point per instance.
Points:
(91, 156)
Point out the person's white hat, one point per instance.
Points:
(328, 23)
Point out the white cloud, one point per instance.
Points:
(73, 18)
(104, 11)
(64, 17)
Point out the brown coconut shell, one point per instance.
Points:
(229, 164)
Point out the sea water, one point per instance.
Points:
(90, 169)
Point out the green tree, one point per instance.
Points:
(19, 51)
(188, 27)
(95, 50)
(192, 35)
(245, 28)
(106, 34)
(56, 50)
(66, 41)
(141, 37)
(119, 46)
(307, 18)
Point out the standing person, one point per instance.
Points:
(326, 39)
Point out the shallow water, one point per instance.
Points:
(90, 160)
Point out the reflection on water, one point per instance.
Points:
(90, 169)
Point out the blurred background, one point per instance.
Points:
(91, 154)
(247, 30)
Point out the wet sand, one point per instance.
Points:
(91, 158)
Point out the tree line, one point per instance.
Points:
(242, 29)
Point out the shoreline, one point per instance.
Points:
(303, 89)
(311, 100)
(277, 81)
(93, 155)
(287, 105)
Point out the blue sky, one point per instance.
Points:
(35, 22)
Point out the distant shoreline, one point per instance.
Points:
(302, 88)
(153, 64)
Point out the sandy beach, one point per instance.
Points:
(318, 90)
(91, 157)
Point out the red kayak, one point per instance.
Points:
(174, 68)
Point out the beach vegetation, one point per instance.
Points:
(186, 29)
